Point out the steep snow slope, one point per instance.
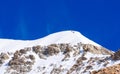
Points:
(71, 37)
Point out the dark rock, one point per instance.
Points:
(88, 67)
(4, 56)
(36, 49)
(1, 61)
(116, 55)
(32, 57)
(96, 49)
(23, 51)
(83, 58)
(29, 63)
(51, 50)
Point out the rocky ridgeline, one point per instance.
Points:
(23, 60)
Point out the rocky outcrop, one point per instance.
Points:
(51, 50)
(116, 55)
(21, 62)
(96, 50)
(37, 49)
(3, 58)
(115, 69)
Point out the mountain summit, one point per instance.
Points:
(72, 37)
(66, 52)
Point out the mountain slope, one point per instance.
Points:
(66, 52)
(71, 37)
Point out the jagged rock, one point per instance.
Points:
(1, 61)
(23, 51)
(66, 56)
(79, 60)
(51, 50)
(77, 55)
(55, 71)
(77, 64)
(76, 52)
(69, 48)
(63, 47)
(96, 50)
(32, 57)
(17, 53)
(29, 63)
(115, 69)
(20, 69)
(83, 58)
(4, 56)
(106, 63)
(20, 63)
(88, 67)
(116, 55)
(37, 49)
(91, 48)
(17, 62)
(73, 68)
(94, 72)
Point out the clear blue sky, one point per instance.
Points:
(98, 20)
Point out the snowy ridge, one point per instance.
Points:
(66, 52)
(72, 37)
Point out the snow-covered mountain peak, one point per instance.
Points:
(71, 37)
(66, 52)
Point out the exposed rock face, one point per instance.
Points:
(96, 50)
(66, 59)
(51, 50)
(32, 57)
(116, 55)
(20, 63)
(37, 49)
(3, 58)
(115, 69)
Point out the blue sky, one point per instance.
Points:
(98, 20)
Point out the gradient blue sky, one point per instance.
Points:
(98, 20)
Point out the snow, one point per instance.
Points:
(71, 37)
